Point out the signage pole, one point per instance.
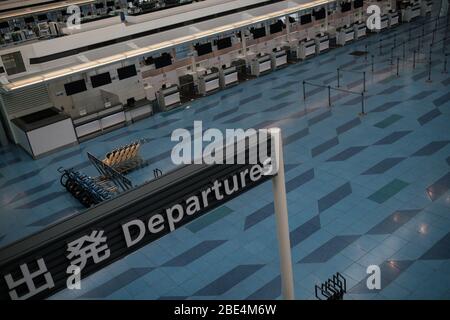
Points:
(281, 216)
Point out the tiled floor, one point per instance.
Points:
(361, 190)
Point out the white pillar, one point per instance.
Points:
(281, 216)
(244, 44)
(288, 29)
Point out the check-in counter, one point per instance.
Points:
(169, 97)
(322, 43)
(345, 35)
(208, 83)
(228, 77)
(279, 59)
(44, 132)
(425, 7)
(260, 65)
(394, 19)
(360, 30)
(305, 49)
(97, 123)
(411, 12)
(384, 20)
(138, 110)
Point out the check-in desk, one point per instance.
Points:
(322, 43)
(138, 110)
(345, 35)
(43, 132)
(394, 19)
(425, 7)
(169, 98)
(384, 22)
(228, 77)
(208, 83)
(411, 12)
(305, 49)
(97, 123)
(279, 59)
(260, 65)
(360, 30)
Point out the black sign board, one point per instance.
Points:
(38, 266)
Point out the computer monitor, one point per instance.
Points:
(28, 19)
(305, 19)
(42, 17)
(319, 14)
(224, 43)
(276, 27)
(258, 32)
(75, 87)
(203, 49)
(164, 60)
(100, 79)
(127, 72)
(358, 4)
(346, 6)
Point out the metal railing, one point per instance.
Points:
(329, 88)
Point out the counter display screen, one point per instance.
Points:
(75, 87)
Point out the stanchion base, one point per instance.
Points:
(428, 81)
(362, 114)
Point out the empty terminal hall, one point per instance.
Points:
(224, 150)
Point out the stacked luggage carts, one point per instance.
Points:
(111, 181)
(125, 159)
(89, 191)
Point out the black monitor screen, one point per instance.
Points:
(75, 87)
(224, 43)
(4, 25)
(29, 19)
(276, 27)
(346, 6)
(164, 60)
(100, 79)
(319, 14)
(203, 48)
(306, 18)
(258, 32)
(291, 19)
(358, 4)
(42, 17)
(127, 72)
(99, 5)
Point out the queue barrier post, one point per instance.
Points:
(398, 66)
(445, 64)
(363, 112)
(364, 81)
(372, 62)
(338, 77)
(329, 96)
(304, 91)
